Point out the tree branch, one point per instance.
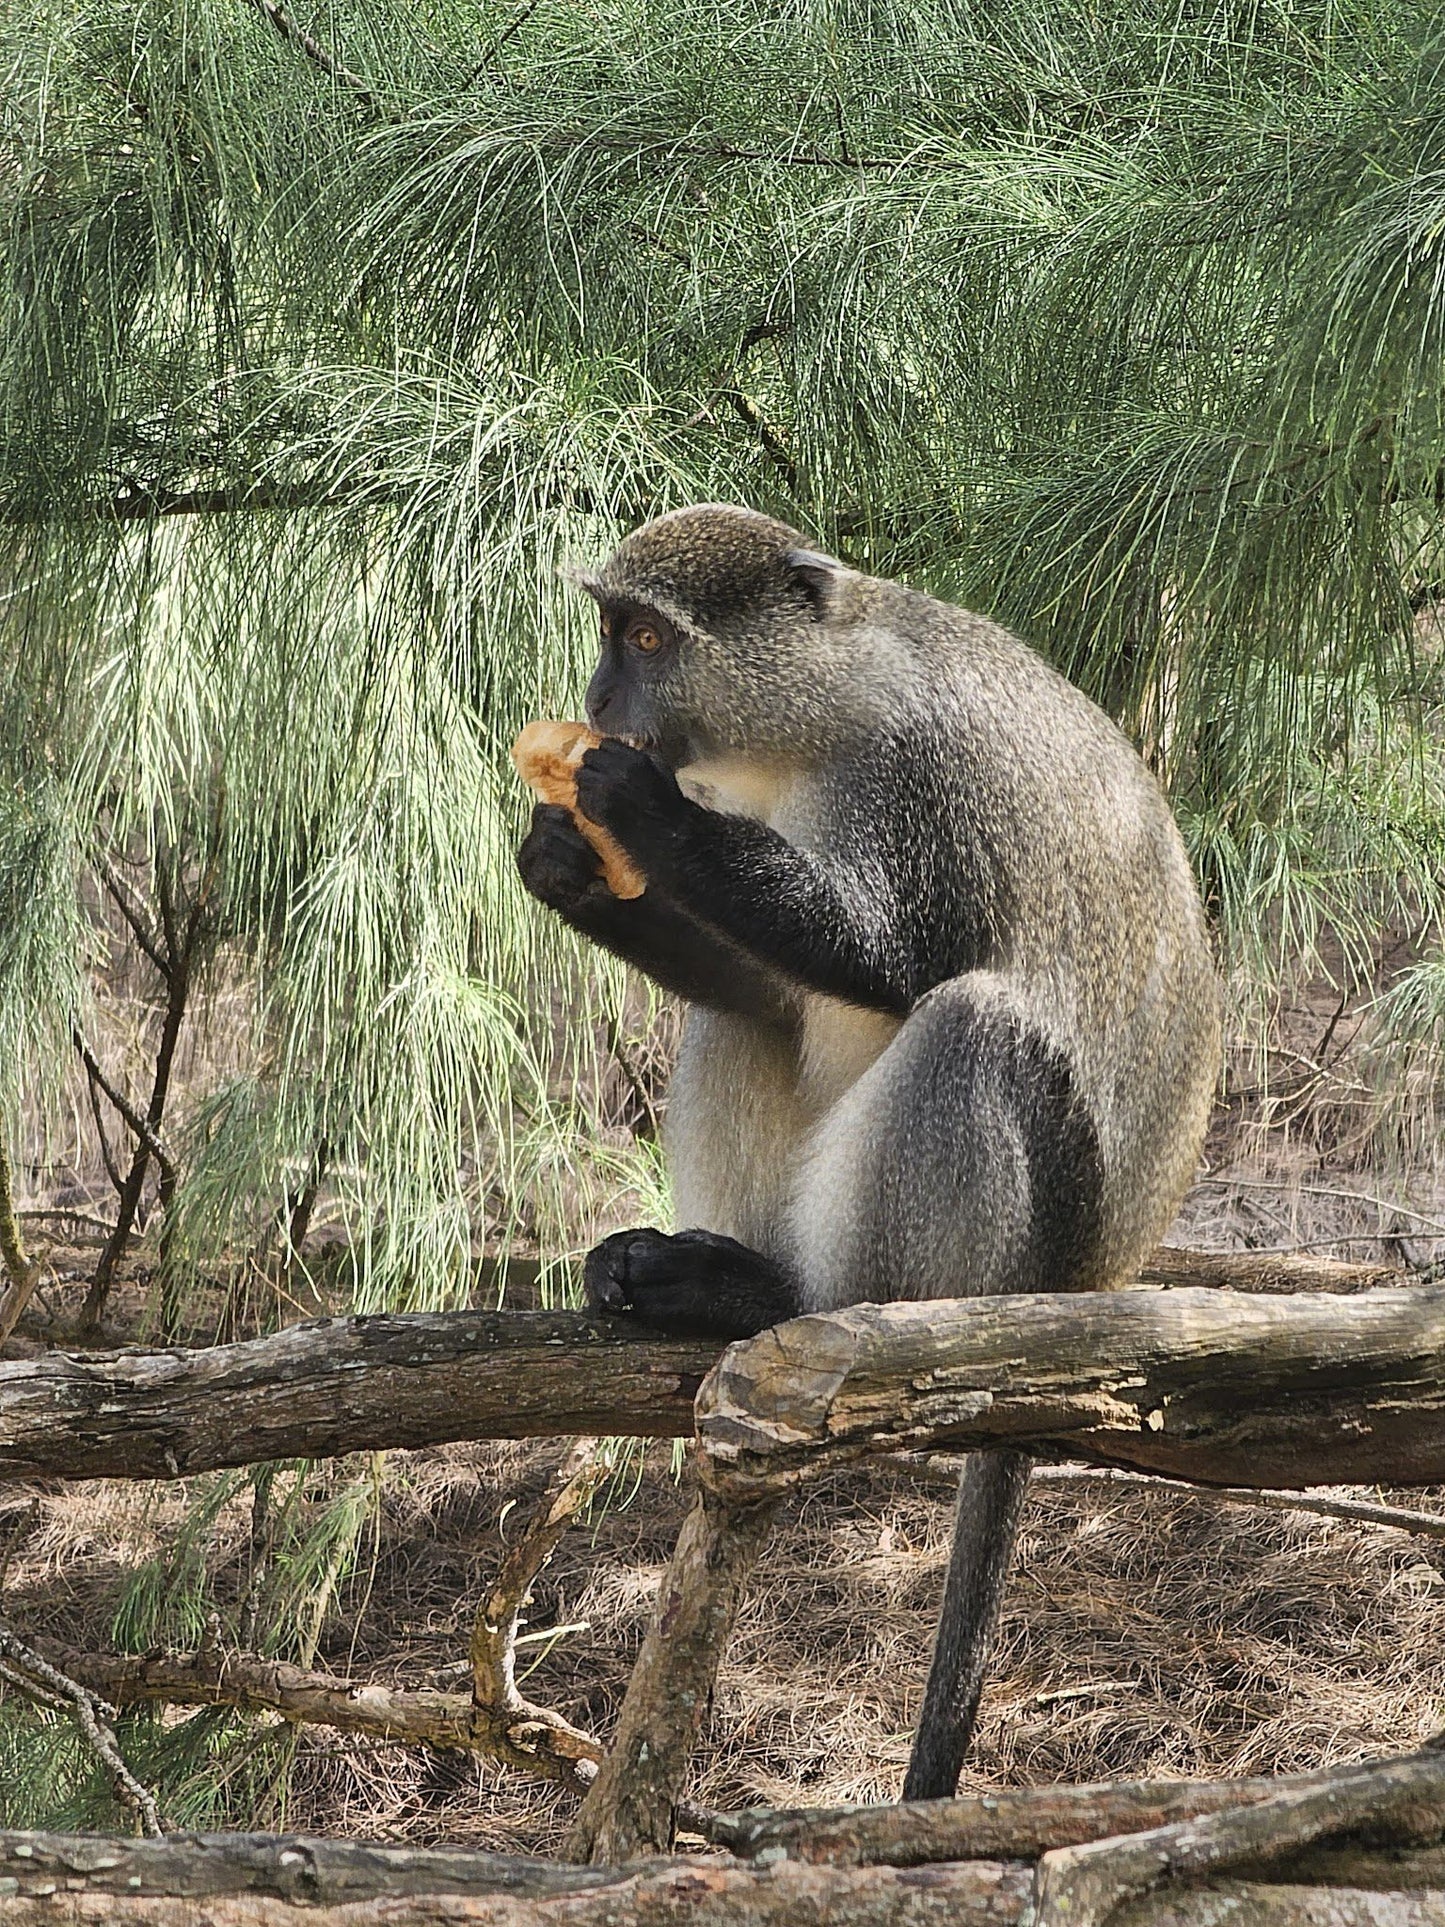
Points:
(122, 1104)
(31, 1673)
(1221, 1387)
(297, 36)
(495, 1695)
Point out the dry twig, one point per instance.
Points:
(31, 1673)
(945, 1468)
(525, 1734)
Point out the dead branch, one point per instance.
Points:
(1013, 1823)
(632, 1808)
(269, 1880)
(1229, 1389)
(31, 1673)
(943, 1469)
(1424, 1525)
(518, 1723)
(122, 1104)
(1404, 1800)
(342, 1385)
(533, 1741)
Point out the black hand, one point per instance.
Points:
(561, 868)
(772, 900)
(697, 1284)
(637, 799)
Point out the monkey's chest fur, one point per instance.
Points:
(835, 1042)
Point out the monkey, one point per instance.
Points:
(953, 1016)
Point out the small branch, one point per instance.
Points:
(771, 442)
(107, 1156)
(142, 504)
(121, 898)
(1424, 1525)
(945, 1468)
(1399, 1800)
(31, 1673)
(297, 36)
(527, 1734)
(122, 1104)
(444, 1722)
(508, 32)
(650, 1128)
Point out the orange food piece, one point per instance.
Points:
(547, 756)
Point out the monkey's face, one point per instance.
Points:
(721, 633)
(634, 688)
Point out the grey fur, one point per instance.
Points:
(1030, 1119)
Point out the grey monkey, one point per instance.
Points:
(954, 1021)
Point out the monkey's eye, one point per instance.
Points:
(644, 638)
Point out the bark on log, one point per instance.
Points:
(49, 1880)
(362, 1384)
(1016, 1823)
(1222, 1388)
(338, 1385)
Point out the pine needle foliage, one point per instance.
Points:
(321, 347)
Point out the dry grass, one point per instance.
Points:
(1144, 1634)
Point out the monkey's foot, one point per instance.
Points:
(696, 1284)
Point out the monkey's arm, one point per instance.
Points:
(776, 902)
(562, 869)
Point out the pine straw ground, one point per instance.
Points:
(1144, 1633)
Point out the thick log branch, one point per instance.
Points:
(1225, 1389)
(341, 1385)
(270, 1880)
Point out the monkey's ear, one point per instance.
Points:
(816, 575)
(582, 579)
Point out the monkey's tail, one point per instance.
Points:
(990, 1504)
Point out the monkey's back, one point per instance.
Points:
(1053, 866)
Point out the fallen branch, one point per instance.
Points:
(529, 1739)
(30, 1673)
(1230, 1389)
(632, 1807)
(342, 1385)
(1082, 1886)
(1013, 1823)
(270, 1880)
(943, 1469)
(1399, 1518)
(517, 1721)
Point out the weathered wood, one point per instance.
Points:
(631, 1807)
(1223, 1388)
(1278, 1272)
(258, 1880)
(1343, 1388)
(340, 1385)
(1016, 1823)
(1397, 1800)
